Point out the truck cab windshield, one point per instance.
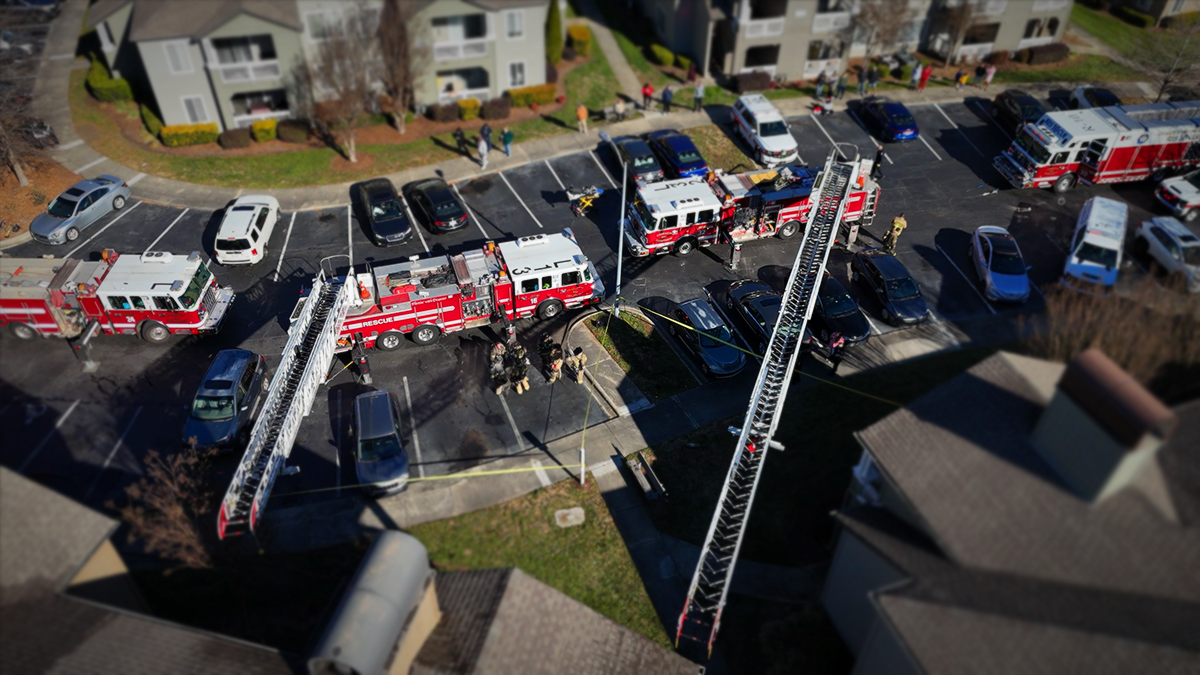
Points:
(195, 288)
(643, 214)
(1033, 148)
(1097, 255)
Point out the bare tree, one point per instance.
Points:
(15, 144)
(956, 20)
(404, 54)
(1171, 57)
(880, 25)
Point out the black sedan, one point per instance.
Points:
(706, 337)
(378, 201)
(437, 204)
(892, 285)
(836, 312)
(756, 307)
(1014, 109)
(636, 154)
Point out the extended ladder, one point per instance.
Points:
(701, 615)
(302, 369)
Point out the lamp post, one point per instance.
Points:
(620, 222)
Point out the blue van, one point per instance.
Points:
(1094, 257)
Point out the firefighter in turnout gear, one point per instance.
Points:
(518, 368)
(889, 239)
(577, 362)
(552, 358)
(498, 369)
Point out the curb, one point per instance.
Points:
(12, 242)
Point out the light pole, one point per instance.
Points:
(620, 222)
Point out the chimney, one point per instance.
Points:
(1101, 427)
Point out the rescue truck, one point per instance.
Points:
(676, 216)
(154, 295)
(1103, 145)
(538, 275)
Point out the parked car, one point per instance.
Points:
(1097, 247)
(998, 263)
(436, 203)
(77, 208)
(30, 10)
(756, 306)
(764, 130)
(706, 338)
(380, 460)
(893, 119)
(837, 312)
(1014, 109)
(1181, 194)
(637, 155)
(1172, 245)
(1087, 96)
(222, 413)
(380, 203)
(245, 230)
(677, 153)
(891, 285)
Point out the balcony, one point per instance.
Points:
(243, 121)
(970, 53)
(254, 71)
(457, 51)
(1050, 5)
(764, 28)
(828, 22)
(250, 107)
(482, 94)
(1035, 42)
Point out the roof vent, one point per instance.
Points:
(532, 240)
(194, 256)
(157, 257)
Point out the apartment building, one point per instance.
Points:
(230, 62)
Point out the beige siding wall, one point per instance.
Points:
(884, 654)
(288, 54)
(856, 571)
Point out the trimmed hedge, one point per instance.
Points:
(292, 131)
(153, 124)
(1052, 53)
(683, 61)
(447, 112)
(1132, 16)
(468, 109)
(496, 109)
(752, 81)
(906, 72)
(1180, 19)
(541, 94)
(102, 85)
(1098, 5)
(581, 39)
(234, 138)
(179, 135)
(554, 42)
(264, 130)
(662, 55)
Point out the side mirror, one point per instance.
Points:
(245, 408)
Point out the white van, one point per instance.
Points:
(765, 130)
(245, 229)
(1097, 246)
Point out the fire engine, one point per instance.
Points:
(426, 297)
(676, 216)
(1103, 145)
(153, 295)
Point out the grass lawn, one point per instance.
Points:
(1107, 28)
(718, 149)
(1079, 68)
(649, 361)
(790, 523)
(588, 562)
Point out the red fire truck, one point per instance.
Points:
(1103, 145)
(541, 274)
(153, 295)
(676, 216)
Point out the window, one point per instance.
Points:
(323, 25)
(459, 28)
(86, 203)
(1052, 27)
(1177, 7)
(514, 25)
(1060, 158)
(193, 107)
(1079, 155)
(179, 59)
(571, 278)
(516, 74)
(763, 55)
(547, 283)
(981, 34)
(262, 218)
(138, 303)
(706, 215)
(244, 49)
(691, 218)
(165, 302)
(254, 235)
(1033, 28)
(668, 221)
(118, 302)
(529, 286)
(820, 50)
(772, 9)
(245, 382)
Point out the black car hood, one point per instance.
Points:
(209, 433)
(854, 326)
(911, 309)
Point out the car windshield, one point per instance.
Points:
(903, 120)
(385, 210)
(62, 208)
(1089, 252)
(194, 289)
(233, 245)
(838, 305)
(1036, 151)
(643, 161)
(1006, 262)
(1032, 112)
(375, 449)
(212, 408)
(689, 156)
(1193, 179)
(772, 129)
(713, 337)
(900, 289)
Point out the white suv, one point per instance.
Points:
(1181, 194)
(245, 229)
(1173, 246)
(765, 130)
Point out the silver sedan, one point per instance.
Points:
(79, 207)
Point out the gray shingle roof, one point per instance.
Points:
(168, 19)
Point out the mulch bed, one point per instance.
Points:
(18, 204)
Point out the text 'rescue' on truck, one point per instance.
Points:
(1103, 145)
(153, 295)
(541, 274)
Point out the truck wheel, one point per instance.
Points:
(389, 341)
(684, 247)
(118, 203)
(549, 309)
(1191, 215)
(788, 230)
(1065, 182)
(153, 331)
(426, 334)
(22, 331)
(72, 234)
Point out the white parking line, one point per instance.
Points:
(101, 231)
(552, 173)
(350, 236)
(542, 477)
(164, 232)
(133, 181)
(992, 120)
(73, 144)
(283, 251)
(606, 174)
(874, 328)
(57, 425)
(822, 128)
(471, 213)
(413, 223)
(967, 279)
(959, 129)
(922, 139)
(89, 165)
(112, 453)
(512, 423)
(510, 187)
(412, 422)
(864, 128)
(1051, 240)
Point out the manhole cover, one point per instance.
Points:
(569, 517)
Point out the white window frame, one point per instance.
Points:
(106, 41)
(185, 47)
(520, 13)
(183, 102)
(1177, 6)
(524, 74)
(331, 16)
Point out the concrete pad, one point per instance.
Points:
(616, 387)
(912, 348)
(569, 517)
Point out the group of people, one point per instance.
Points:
(983, 77)
(483, 143)
(509, 363)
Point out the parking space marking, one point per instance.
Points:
(413, 223)
(822, 128)
(512, 423)
(993, 120)
(73, 144)
(164, 232)
(412, 422)
(57, 425)
(510, 189)
(541, 473)
(958, 129)
(133, 181)
(864, 128)
(553, 173)
(350, 235)
(874, 328)
(283, 251)
(1051, 240)
(89, 165)
(101, 231)
(922, 139)
(974, 287)
(474, 219)
(606, 174)
(112, 453)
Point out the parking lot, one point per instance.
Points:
(86, 434)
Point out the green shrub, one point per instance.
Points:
(153, 124)
(662, 55)
(234, 138)
(1179, 20)
(581, 39)
(292, 131)
(179, 135)
(264, 130)
(541, 94)
(447, 112)
(102, 85)
(38, 197)
(755, 80)
(906, 72)
(496, 109)
(883, 69)
(1051, 53)
(683, 61)
(1134, 17)
(468, 109)
(554, 41)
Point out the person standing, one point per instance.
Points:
(667, 94)
(486, 132)
(581, 114)
(925, 74)
(647, 96)
(691, 74)
(837, 350)
(843, 80)
(960, 79)
(821, 80)
(461, 139)
(619, 108)
(980, 71)
(506, 137)
(988, 75)
(482, 147)
(862, 81)
(893, 235)
(872, 79)
(916, 76)
(698, 98)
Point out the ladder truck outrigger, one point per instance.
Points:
(701, 616)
